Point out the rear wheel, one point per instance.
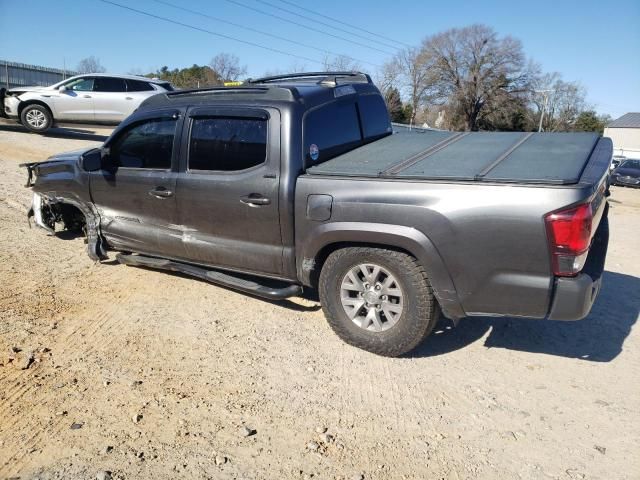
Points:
(378, 300)
(36, 118)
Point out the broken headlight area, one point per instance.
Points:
(47, 214)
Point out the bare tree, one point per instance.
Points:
(341, 63)
(295, 67)
(227, 67)
(564, 101)
(411, 71)
(474, 68)
(90, 65)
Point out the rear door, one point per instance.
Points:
(227, 196)
(135, 193)
(110, 101)
(137, 92)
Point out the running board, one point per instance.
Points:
(213, 276)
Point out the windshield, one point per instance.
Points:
(635, 164)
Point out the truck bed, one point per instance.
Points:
(509, 157)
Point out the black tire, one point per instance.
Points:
(420, 311)
(36, 118)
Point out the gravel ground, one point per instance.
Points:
(144, 374)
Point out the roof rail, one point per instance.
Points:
(215, 89)
(328, 77)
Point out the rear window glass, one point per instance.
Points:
(330, 131)
(138, 86)
(227, 143)
(374, 116)
(630, 164)
(167, 86)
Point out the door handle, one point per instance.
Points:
(255, 200)
(87, 96)
(160, 192)
(128, 98)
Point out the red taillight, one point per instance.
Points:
(569, 233)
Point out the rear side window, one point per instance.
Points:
(138, 86)
(167, 86)
(374, 115)
(148, 144)
(330, 131)
(227, 143)
(107, 84)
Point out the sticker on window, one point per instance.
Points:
(314, 153)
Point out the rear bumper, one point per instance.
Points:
(574, 296)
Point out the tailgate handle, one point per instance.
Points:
(160, 192)
(255, 199)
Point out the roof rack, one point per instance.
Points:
(243, 89)
(328, 78)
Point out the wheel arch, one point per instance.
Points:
(25, 103)
(333, 236)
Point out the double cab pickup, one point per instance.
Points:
(300, 182)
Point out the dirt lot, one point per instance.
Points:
(150, 375)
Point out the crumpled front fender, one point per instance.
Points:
(44, 217)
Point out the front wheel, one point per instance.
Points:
(36, 118)
(378, 300)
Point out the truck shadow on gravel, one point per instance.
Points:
(597, 338)
(286, 303)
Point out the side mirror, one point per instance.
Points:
(92, 160)
(62, 88)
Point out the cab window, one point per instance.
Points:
(374, 116)
(148, 144)
(331, 130)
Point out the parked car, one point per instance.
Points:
(627, 174)
(93, 98)
(299, 180)
(615, 161)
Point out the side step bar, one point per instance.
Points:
(213, 276)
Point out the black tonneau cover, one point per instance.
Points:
(513, 157)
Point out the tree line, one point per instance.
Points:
(462, 79)
(472, 79)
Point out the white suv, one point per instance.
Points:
(90, 98)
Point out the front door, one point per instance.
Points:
(135, 191)
(76, 102)
(227, 196)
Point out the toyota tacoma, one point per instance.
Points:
(298, 182)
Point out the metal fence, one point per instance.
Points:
(20, 74)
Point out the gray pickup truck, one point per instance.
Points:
(299, 181)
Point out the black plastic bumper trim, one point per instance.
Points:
(574, 296)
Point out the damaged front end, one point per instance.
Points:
(61, 198)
